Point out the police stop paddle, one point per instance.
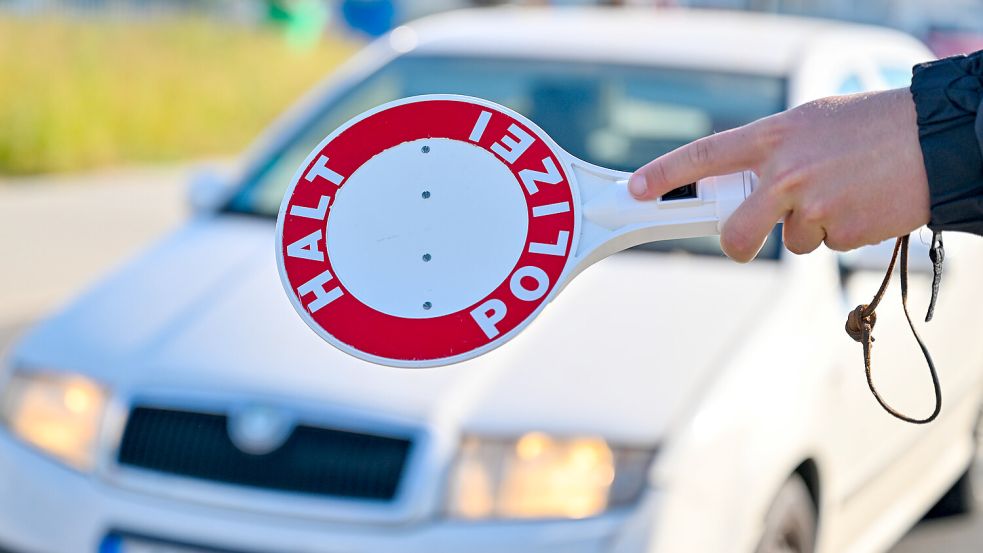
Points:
(433, 229)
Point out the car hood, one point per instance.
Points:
(620, 352)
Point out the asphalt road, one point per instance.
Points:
(950, 535)
(58, 235)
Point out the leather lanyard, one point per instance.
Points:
(860, 322)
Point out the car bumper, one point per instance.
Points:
(47, 508)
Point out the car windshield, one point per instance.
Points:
(616, 116)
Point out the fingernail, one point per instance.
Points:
(637, 185)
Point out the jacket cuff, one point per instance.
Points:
(947, 95)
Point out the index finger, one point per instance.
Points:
(725, 152)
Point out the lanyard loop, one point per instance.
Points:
(860, 324)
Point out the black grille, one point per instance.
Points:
(312, 460)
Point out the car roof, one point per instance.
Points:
(732, 41)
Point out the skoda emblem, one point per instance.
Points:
(258, 429)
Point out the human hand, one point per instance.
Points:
(844, 170)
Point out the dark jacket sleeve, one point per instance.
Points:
(948, 95)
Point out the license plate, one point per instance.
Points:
(126, 544)
(139, 546)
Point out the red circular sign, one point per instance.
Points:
(345, 320)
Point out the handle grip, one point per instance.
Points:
(731, 191)
(715, 201)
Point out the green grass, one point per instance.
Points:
(84, 94)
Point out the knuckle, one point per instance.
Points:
(797, 249)
(842, 240)
(771, 132)
(790, 180)
(701, 153)
(784, 183)
(799, 245)
(793, 240)
(735, 243)
(812, 213)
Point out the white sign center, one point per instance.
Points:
(413, 220)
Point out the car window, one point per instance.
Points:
(615, 116)
(851, 84)
(895, 76)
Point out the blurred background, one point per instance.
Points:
(151, 81)
(109, 108)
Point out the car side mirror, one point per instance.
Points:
(208, 189)
(876, 258)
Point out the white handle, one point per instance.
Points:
(614, 220)
(715, 200)
(731, 191)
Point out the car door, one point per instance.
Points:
(882, 459)
(862, 441)
(866, 440)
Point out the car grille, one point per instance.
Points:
(312, 460)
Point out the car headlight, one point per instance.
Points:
(60, 414)
(538, 476)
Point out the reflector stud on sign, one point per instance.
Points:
(432, 229)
